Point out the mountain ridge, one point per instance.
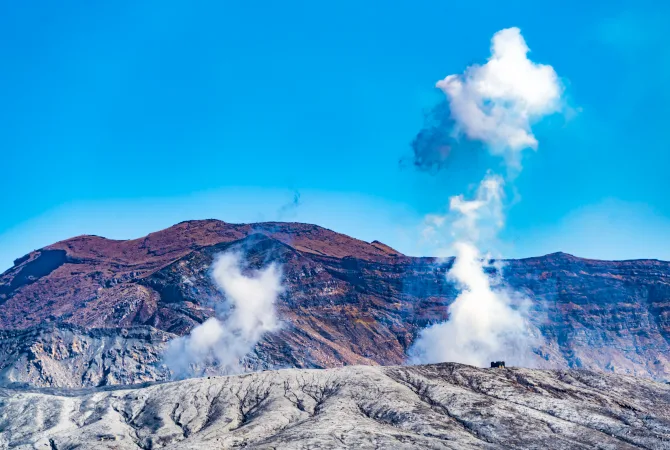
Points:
(347, 302)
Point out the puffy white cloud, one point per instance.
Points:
(486, 321)
(225, 340)
(498, 102)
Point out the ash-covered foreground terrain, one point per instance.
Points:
(91, 311)
(442, 406)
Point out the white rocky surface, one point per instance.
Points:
(73, 357)
(442, 406)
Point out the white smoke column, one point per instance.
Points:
(496, 104)
(483, 319)
(225, 340)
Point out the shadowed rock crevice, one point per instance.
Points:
(30, 269)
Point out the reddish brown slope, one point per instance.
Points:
(169, 244)
(92, 274)
(346, 301)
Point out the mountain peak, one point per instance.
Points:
(385, 248)
(346, 301)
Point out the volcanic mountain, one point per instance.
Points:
(90, 311)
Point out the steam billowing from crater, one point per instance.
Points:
(486, 320)
(248, 313)
(493, 105)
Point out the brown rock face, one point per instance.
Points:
(347, 301)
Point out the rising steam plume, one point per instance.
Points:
(486, 320)
(240, 323)
(495, 105)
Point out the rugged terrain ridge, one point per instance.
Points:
(442, 406)
(90, 311)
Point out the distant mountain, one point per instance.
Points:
(441, 406)
(91, 311)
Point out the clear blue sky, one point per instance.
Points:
(121, 118)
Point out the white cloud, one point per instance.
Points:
(483, 217)
(498, 102)
(476, 221)
(486, 321)
(225, 340)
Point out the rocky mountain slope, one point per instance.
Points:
(90, 311)
(444, 406)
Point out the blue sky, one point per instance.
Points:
(122, 118)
